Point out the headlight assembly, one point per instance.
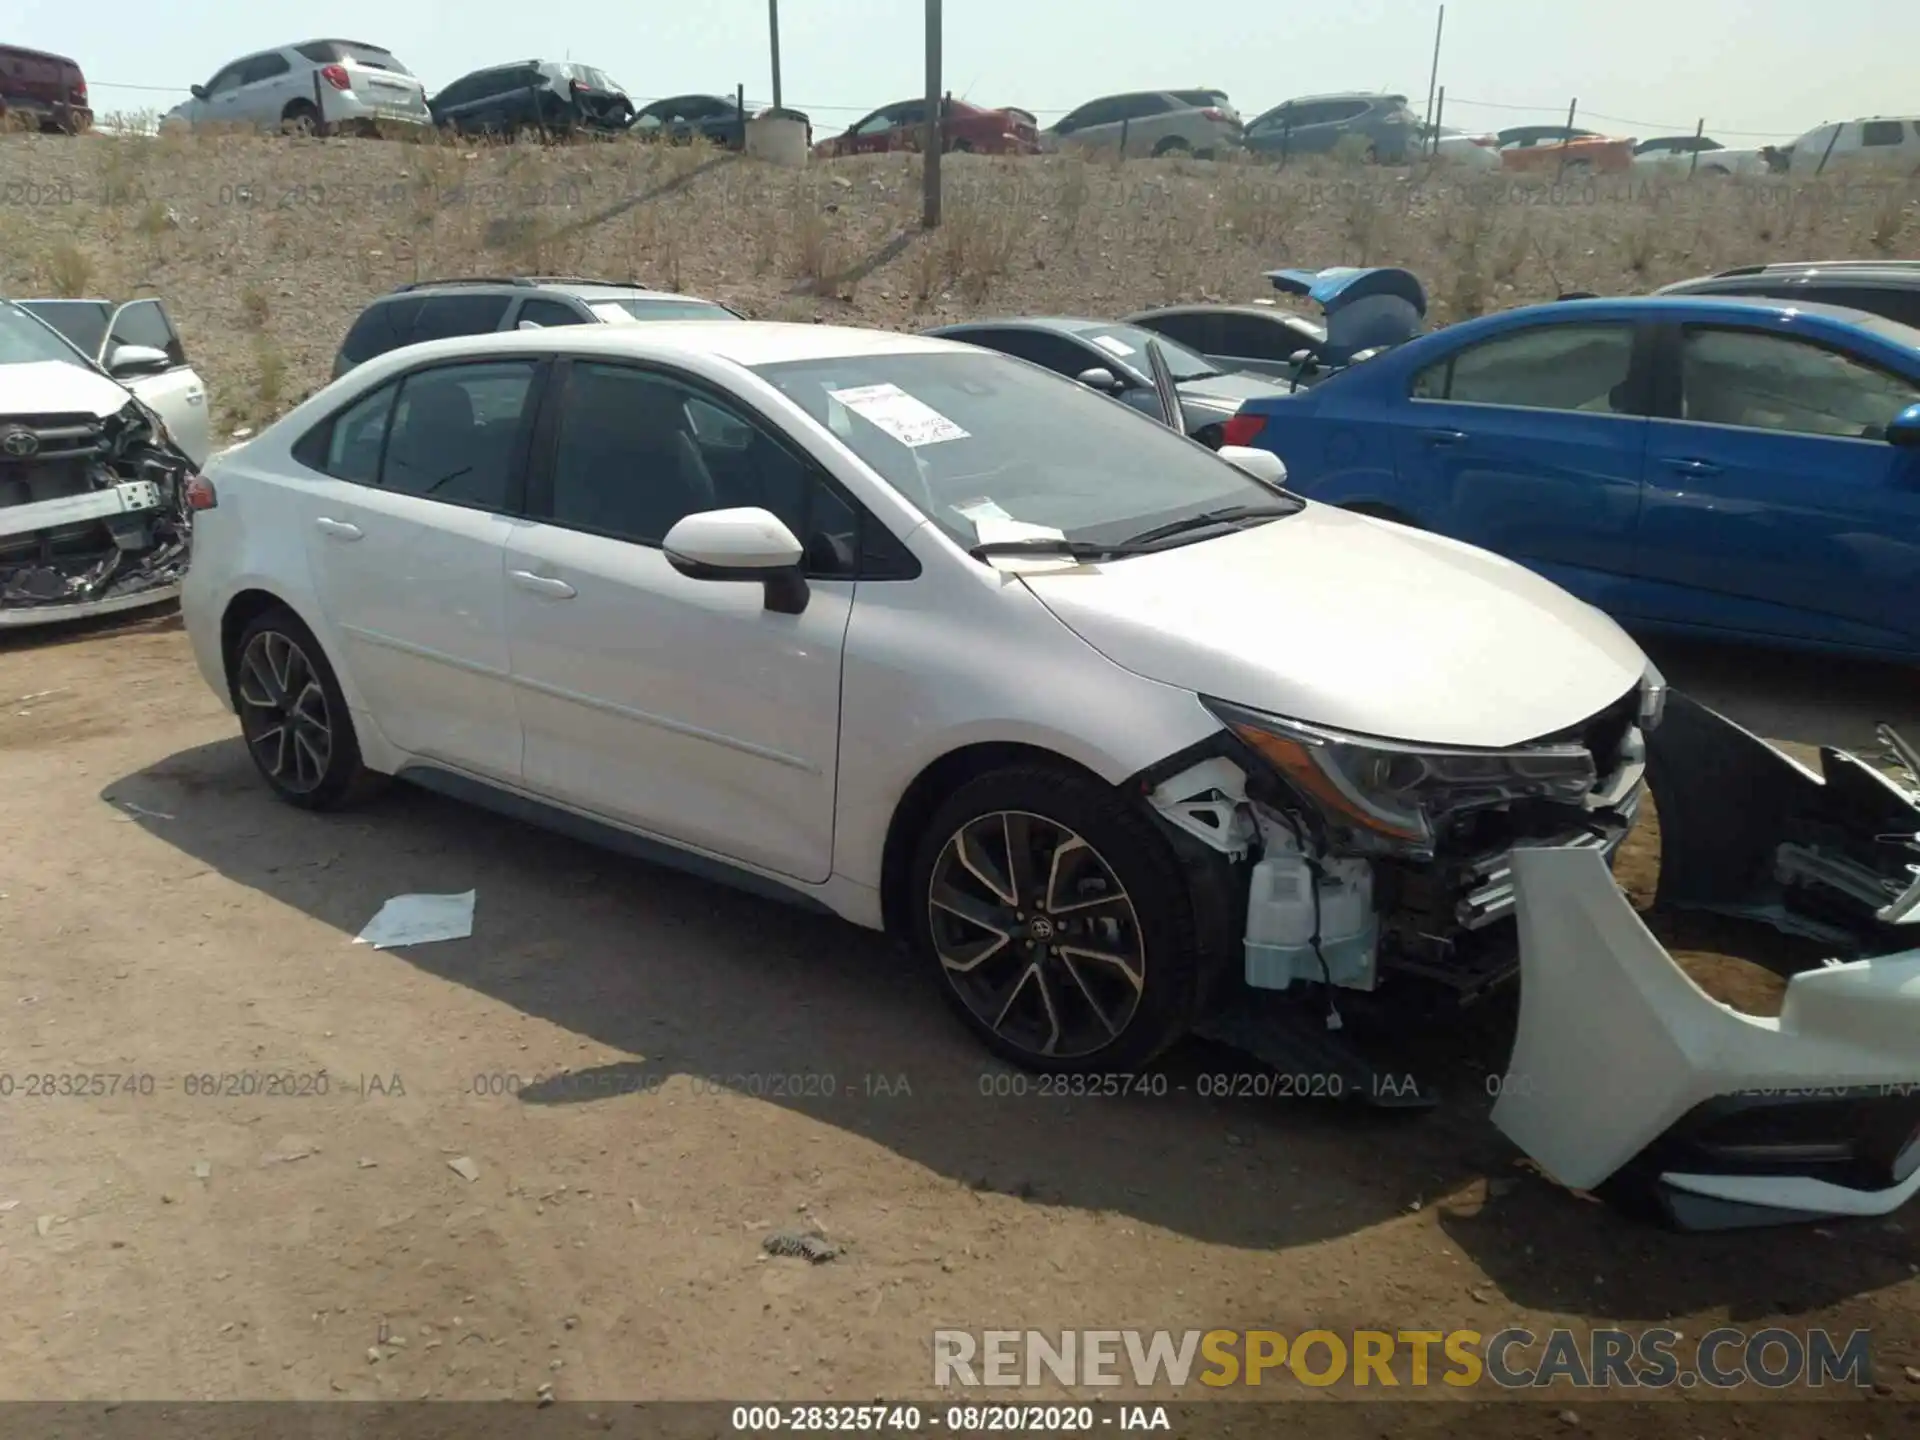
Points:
(1397, 791)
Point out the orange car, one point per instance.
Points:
(1552, 149)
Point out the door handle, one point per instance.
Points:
(337, 529)
(542, 584)
(195, 397)
(1443, 437)
(1689, 467)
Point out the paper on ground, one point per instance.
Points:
(910, 421)
(419, 920)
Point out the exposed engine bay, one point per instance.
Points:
(93, 513)
(1368, 874)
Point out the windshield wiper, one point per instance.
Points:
(1044, 545)
(1231, 515)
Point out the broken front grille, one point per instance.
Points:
(37, 439)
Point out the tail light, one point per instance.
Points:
(1213, 112)
(1242, 429)
(336, 76)
(200, 494)
(78, 93)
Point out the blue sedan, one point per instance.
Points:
(1728, 467)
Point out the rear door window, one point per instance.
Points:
(264, 67)
(1881, 132)
(382, 326)
(1549, 367)
(442, 316)
(458, 431)
(549, 312)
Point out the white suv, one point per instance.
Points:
(1152, 122)
(316, 87)
(1121, 738)
(1883, 142)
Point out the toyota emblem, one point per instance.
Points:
(19, 442)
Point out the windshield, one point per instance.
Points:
(622, 311)
(25, 341)
(1128, 345)
(84, 322)
(991, 449)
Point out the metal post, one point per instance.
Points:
(773, 32)
(1832, 140)
(1434, 74)
(930, 151)
(740, 108)
(1566, 140)
(1439, 110)
(1698, 131)
(1123, 137)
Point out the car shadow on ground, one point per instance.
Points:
(690, 978)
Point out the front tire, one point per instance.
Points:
(293, 715)
(1057, 920)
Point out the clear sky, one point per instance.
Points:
(1765, 67)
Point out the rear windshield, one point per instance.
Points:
(591, 78)
(1202, 98)
(622, 311)
(329, 52)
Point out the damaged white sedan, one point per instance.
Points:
(95, 494)
(1126, 741)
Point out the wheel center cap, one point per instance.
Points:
(1041, 928)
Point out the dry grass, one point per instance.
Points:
(265, 249)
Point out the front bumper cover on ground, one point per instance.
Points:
(1628, 1078)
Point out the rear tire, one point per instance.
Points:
(293, 716)
(1056, 920)
(300, 119)
(1172, 145)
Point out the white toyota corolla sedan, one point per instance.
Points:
(1122, 738)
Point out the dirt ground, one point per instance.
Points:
(669, 1047)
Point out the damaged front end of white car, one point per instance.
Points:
(94, 511)
(1373, 874)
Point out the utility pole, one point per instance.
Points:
(1433, 77)
(773, 30)
(936, 126)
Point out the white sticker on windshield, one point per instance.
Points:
(912, 422)
(1117, 348)
(989, 531)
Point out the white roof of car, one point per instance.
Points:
(746, 342)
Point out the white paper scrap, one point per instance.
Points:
(910, 421)
(1118, 348)
(990, 531)
(419, 920)
(978, 510)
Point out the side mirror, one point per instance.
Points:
(1099, 378)
(199, 92)
(136, 360)
(1905, 429)
(744, 544)
(1262, 465)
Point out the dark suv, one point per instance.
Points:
(531, 99)
(1888, 288)
(436, 309)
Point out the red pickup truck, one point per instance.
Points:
(39, 91)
